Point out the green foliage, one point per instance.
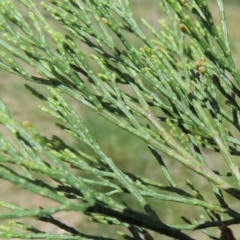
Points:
(176, 95)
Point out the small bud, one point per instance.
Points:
(200, 62)
(104, 20)
(147, 236)
(183, 28)
(195, 193)
(217, 216)
(26, 123)
(184, 137)
(227, 102)
(198, 138)
(232, 95)
(215, 79)
(202, 70)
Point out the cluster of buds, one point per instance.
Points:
(199, 64)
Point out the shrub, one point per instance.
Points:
(176, 90)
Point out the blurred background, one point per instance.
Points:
(128, 152)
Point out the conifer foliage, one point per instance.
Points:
(176, 90)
